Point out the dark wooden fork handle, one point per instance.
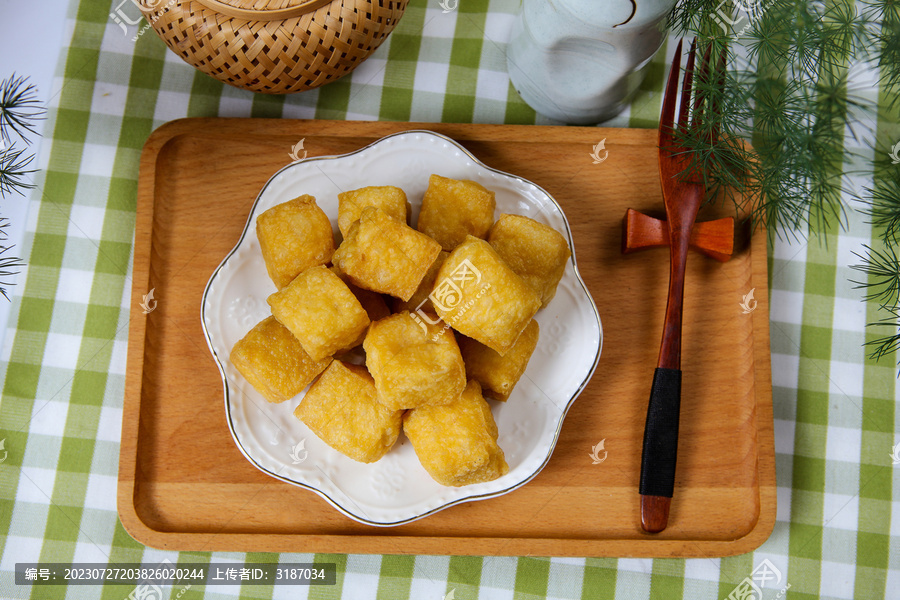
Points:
(660, 449)
(661, 429)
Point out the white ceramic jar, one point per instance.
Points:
(581, 61)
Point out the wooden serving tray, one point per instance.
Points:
(184, 485)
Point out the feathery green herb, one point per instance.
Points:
(13, 171)
(782, 111)
(788, 92)
(7, 263)
(20, 109)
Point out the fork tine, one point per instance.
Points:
(686, 86)
(667, 117)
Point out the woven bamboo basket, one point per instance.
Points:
(274, 46)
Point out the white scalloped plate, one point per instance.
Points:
(396, 489)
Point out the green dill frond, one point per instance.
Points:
(778, 109)
(885, 44)
(716, 141)
(882, 271)
(687, 15)
(882, 267)
(885, 150)
(7, 266)
(770, 36)
(883, 205)
(19, 108)
(13, 171)
(889, 343)
(847, 32)
(791, 90)
(879, 11)
(805, 56)
(782, 207)
(834, 97)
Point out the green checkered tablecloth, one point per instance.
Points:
(63, 361)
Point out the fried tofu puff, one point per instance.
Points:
(457, 442)
(536, 252)
(373, 303)
(455, 208)
(321, 311)
(498, 375)
(392, 200)
(384, 255)
(342, 410)
(294, 236)
(414, 363)
(274, 362)
(478, 295)
(420, 300)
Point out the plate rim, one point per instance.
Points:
(471, 498)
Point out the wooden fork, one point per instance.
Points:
(683, 193)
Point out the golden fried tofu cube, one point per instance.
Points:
(453, 209)
(457, 442)
(373, 302)
(274, 362)
(384, 255)
(536, 252)
(321, 311)
(294, 236)
(420, 300)
(414, 362)
(478, 295)
(390, 199)
(342, 410)
(497, 374)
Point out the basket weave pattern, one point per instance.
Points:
(275, 56)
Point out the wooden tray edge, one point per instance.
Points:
(762, 362)
(381, 544)
(137, 328)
